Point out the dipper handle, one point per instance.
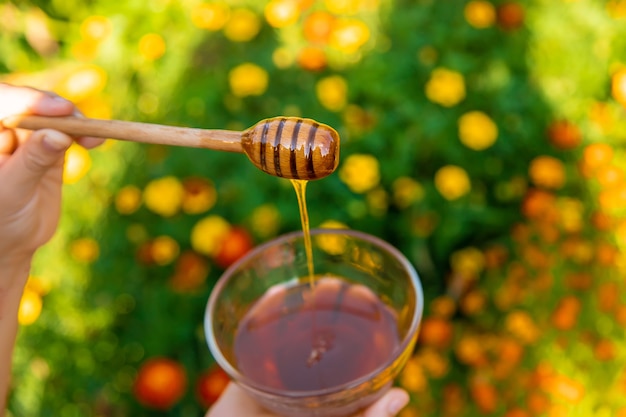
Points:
(221, 140)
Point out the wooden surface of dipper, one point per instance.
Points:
(287, 147)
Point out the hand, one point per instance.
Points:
(235, 402)
(31, 168)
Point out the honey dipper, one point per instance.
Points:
(287, 147)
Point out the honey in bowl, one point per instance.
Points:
(304, 338)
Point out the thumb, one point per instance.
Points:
(43, 151)
(389, 405)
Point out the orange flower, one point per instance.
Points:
(85, 250)
(566, 314)
(567, 389)
(596, 155)
(480, 14)
(484, 394)
(312, 58)
(547, 172)
(128, 199)
(564, 134)
(618, 86)
(191, 272)
(318, 26)
(609, 176)
(164, 250)
(510, 15)
(436, 332)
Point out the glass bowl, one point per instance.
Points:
(339, 369)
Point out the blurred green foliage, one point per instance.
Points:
(108, 306)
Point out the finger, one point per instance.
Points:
(389, 405)
(235, 402)
(31, 161)
(26, 100)
(8, 142)
(87, 141)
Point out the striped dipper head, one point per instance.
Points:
(292, 147)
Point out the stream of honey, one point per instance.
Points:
(300, 188)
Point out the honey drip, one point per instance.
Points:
(300, 187)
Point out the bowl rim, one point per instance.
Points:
(243, 380)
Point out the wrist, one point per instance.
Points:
(14, 272)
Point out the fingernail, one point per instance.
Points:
(396, 405)
(55, 141)
(61, 99)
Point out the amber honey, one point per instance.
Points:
(303, 338)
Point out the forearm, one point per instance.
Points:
(13, 276)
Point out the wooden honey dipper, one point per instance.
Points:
(287, 147)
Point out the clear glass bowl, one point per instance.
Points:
(357, 257)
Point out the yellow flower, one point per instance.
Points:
(348, 35)
(77, 164)
(199, 196)
(95, 107)
(83, 82)
(480, 14)
(95, 28)
(469, 261)
(85, 250)
(210, 16)
(248, 80)
(344, 6)
(521, 325)
(164, 250)
(360, 172)
(137, 233)
(378, 201)
(151, 46)
(38, 285)
(406, 191)
(30, 307)
(333, 245)
(128, 199)
(477, 131)
(412, 377)
(332, 92)
(445, 87)
(452, 182)
(265, 220)
(572, 214)
(207, 235)
(164, 196)
(281, 13)
(242, 26)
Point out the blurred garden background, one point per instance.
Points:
(483, 138)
